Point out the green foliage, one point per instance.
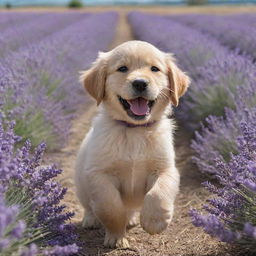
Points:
(35, 127)
(215, 97)
(225, 147)
(197, 2)
(8, 5)
(16, 195)
(212, 101)
(75, 4)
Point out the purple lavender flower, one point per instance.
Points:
(18, 230)
(26, 33)
(218, 137)
(231, 214)
(38, 92)
(235, 33)
(10, 19)
(62, 250)
(31, 250)
(250, 230)
(213, 226)
(216, 71)
(246, 18)
(224, 83)
(11, 229)
(40, 81)
(31, 218)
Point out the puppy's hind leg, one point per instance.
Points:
(107, 205)
(132, 219)
(90, 221)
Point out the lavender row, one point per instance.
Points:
(40, 81)
(216, 71)
(23, 34)
(247, 18)
(33, 221)
(218, 137)
(230, 214)
(232, 32)
(38, 92)
(226, 146)
(9, 19)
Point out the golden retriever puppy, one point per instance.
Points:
(126, 162)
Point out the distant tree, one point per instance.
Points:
(75, 4)
(197, 2)
(8, 5)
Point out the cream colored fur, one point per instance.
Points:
(119, 169)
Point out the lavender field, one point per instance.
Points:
(236, 32)
(220, 110)
(45, 113)
(40, 60)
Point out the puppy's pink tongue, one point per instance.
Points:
(139, 106)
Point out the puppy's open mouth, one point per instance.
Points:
(137, 108)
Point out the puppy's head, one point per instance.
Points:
(135, 81)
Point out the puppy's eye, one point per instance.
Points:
(155, 69)
(122, 69)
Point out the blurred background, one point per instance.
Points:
(80, 3)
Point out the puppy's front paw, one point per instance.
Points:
(154, 219)
(112, 241)
(90, 222)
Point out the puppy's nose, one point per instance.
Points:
(139, 85)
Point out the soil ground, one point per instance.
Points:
(181, 238)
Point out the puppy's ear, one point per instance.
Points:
(94, 79)
(178, 80)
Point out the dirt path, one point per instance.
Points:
(181, 238)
